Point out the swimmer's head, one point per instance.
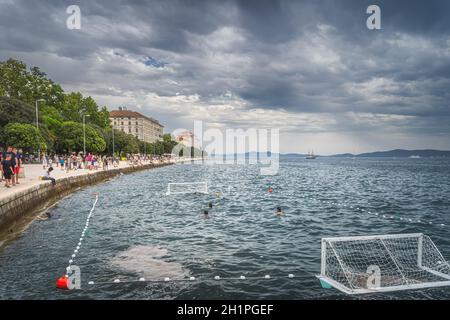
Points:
(205, 212)
(210, 205)
(279, 209)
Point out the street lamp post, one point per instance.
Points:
(37, 127)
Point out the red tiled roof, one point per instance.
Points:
(131, 114)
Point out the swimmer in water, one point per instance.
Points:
(205, 214)
(217, 194)
(279, 212)
(210, 205)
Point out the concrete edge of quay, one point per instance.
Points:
(16, 207)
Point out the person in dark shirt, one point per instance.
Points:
(11, 162)
(7, 169)
(9, 151)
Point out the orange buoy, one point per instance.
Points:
(270, 190)
(63, 283)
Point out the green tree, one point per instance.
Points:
(123, 142)
(18, 83)
(14, 79)
(70, 138)
(75, 105)
(13, 110)
(24, 136)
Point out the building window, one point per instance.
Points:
(129, 130)
(137, 130)
(122, 123)
(129, 123)
(137, 123)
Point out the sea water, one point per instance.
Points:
(137, 231)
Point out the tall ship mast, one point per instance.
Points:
(311, 155)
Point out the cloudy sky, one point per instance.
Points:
(310, 68)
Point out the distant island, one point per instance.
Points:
(397, 153)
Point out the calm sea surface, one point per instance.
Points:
(137, 230)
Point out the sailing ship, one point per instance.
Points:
(311, 156)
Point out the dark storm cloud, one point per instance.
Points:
(314, 57)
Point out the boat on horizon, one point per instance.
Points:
(311, 156)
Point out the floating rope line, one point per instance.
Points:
(63, 282)
(382, 215)
(193, 279)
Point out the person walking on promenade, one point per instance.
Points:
(80, 160)
(7, 169)
(74, 161)
(9, 154)
(67, 163)
(48, 176)
(44, 162)
(88, 162)
(61, 162)
(18, 164)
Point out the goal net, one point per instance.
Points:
(382, 263)
(187, 187)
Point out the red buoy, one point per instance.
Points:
(62, 283)
(270, 190)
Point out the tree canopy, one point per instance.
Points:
(23, 136)
(70, 138)
(60, 117)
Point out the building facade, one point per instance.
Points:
(142, 127)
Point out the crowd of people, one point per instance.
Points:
(12, 161)
(77, 161)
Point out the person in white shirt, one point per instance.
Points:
(49, 177)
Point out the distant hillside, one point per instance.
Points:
(292, 155)
(343, 155)
(400, 153)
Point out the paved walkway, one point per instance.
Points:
(34, 171)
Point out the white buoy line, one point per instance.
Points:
(193, 279)
(380, 214)
(83, 234)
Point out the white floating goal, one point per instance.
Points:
(187, 187)
(382, 263)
